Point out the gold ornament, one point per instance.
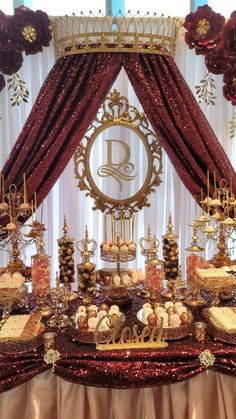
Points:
(206, 358)
(51, 357)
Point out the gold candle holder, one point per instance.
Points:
(219, 222)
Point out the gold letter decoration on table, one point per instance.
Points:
(130, 338)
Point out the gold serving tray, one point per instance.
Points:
(13, 295)
(24, 344)
(172, 333)
(220, 334)
(84, 336)
(216, 284)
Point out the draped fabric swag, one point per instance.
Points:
(70, 98)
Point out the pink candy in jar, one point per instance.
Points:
(195, 261)
(40, 272)
(154, 276)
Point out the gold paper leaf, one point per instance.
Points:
(205, 90)
(20, 93)
(232, 127)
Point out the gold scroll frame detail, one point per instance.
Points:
(116, 111)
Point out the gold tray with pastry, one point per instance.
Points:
(21, 333)
(214, 280)
(222, 323)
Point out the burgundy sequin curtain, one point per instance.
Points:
(70, 98)
(178, 121)
(67, 103)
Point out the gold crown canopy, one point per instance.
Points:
(100, 33)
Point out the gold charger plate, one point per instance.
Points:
(23, 345)
(84, 336)
(171, 333)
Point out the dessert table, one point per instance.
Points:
(166, 383)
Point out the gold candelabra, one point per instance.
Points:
(14, 209)
(218, 219)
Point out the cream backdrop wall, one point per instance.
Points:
(65, 197)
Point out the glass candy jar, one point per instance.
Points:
(41, 279)
(154, 275)
(170, 252)
(66, 261)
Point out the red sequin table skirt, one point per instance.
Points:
(83, 364)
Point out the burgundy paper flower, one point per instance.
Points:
(229, 88)
(203, 29)
(216, 62)
(229, 36)
(4, 39)
(10, 61)
(2, 82)
(29, 30)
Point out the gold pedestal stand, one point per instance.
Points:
(168, 293)
(59, 297)
(221, 258)
(195, 300)
(42, 306)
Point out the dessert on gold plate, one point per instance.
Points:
(21, 333)
(223, 323)
(93, 318)
(177, 319)
(214, 276)
(223, 318)
(21, 327)
(124, 278)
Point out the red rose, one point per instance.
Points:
(216, 62)
(2, 82)
(29, 30)
(203, 29)
(229, 36)
(229, 89)
(10, 61)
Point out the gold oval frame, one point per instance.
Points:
(116, 111)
